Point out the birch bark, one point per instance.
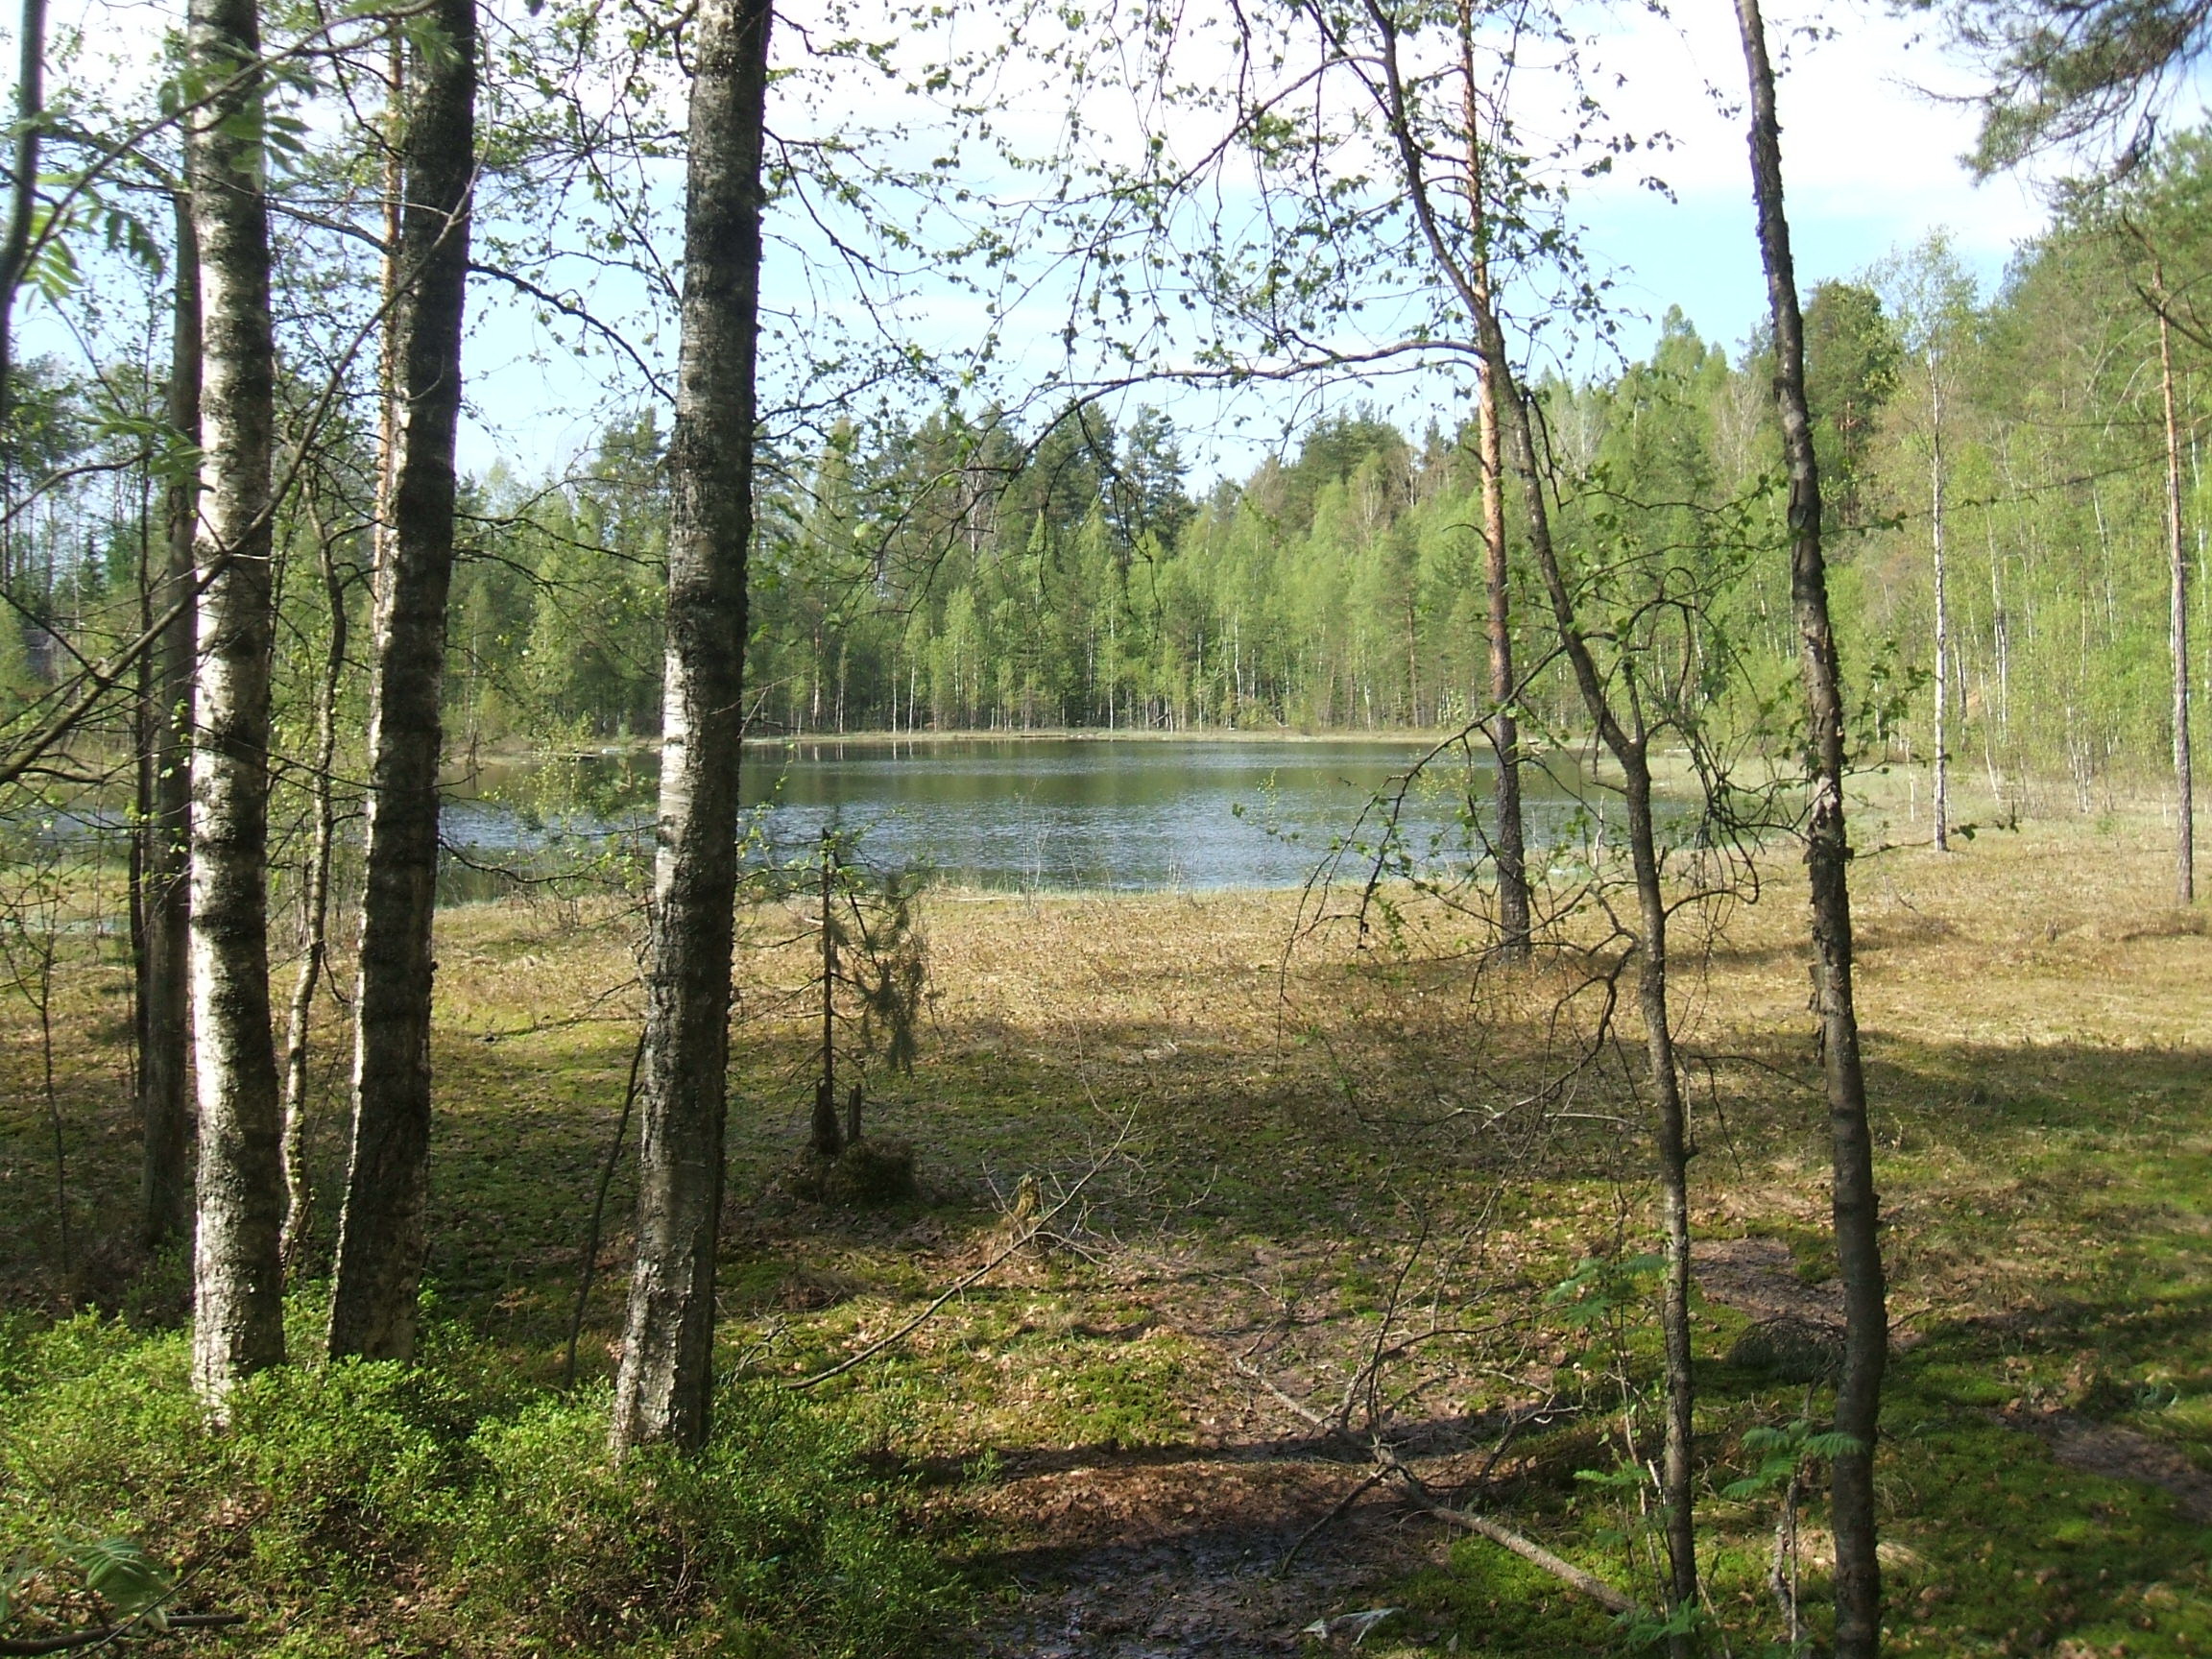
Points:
(238, 1325)
(663, 1389)
(381, 1241)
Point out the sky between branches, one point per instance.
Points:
(1871, 146)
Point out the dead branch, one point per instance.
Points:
(1021, 1240)
(1529, 1551)
(108, 1633)
(1388, 1462)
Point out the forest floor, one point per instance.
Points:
(1308, 1192)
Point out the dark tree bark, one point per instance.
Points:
(237, 1281)
(380, 1239)
(1827, 857)
(664, 1387)
(165, 980)
(315, 912)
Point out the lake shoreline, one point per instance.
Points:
(508, 752)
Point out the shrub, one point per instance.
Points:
(364, 1503)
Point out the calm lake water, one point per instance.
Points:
(1025, 813)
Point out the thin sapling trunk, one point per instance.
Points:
(314, 914)
(2177, 618)
(1856, 1209)
(1943, 779)
(1630, 749)
(164, 1014)
(1513, 903)
(827, 1141)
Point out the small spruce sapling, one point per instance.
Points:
(870, 983)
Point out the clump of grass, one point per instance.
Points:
(369, 1503)
(867, 1171)
(1790, 1351)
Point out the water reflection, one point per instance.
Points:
(1017, 814)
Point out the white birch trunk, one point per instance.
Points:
(238, 1324)
(664, 1387)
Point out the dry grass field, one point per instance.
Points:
(1312, 1191)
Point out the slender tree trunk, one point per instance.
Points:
(1828, 854)
(315, 917)
(145, 716)
(827, 1140)
(23, 192)
(238, 1282)
(2178, 620)
(1942, 790)
(1513, 922)
(664, 1391)
(1505, 729)
(380, 1239)
(1672, 1137)
(165, 1082)
(1630, 749)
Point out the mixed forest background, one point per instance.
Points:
(967, 570)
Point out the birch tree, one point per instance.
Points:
(382, 1239)
(237, 1278)
(1932, 298)
(664, 1387)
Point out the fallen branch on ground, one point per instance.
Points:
(106, 1633)
(1389, 1463)
(1021, 1240)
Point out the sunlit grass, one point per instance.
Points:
(2038, 1024)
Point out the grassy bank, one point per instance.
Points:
(1284, 1162)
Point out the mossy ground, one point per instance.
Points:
(1290, 1150)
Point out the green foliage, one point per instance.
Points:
(132, 1586)
(763, 1536)
(504, 1508)
(1600, 1290)
(1782, 1451)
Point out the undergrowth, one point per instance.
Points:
(415, 1509)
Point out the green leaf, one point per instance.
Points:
(121, 1573)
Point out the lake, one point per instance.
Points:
(1019, 814)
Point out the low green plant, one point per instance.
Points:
(130, 1584)
(500, 1511)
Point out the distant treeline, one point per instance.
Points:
(957, 572)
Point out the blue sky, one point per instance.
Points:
(1870, 146)
(1872, 131)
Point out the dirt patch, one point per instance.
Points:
(1758, 1277)
(1173, 1560)
(2096, 1448)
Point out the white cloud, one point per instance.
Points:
(1874, 123)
